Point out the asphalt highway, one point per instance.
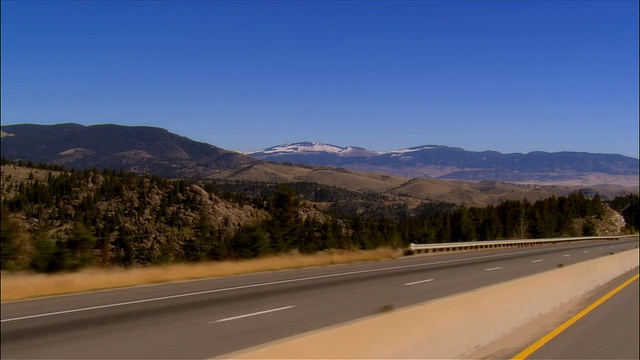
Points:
(609, 331)
(207, 318)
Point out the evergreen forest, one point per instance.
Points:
(64, 220)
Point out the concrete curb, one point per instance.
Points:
(450, 327)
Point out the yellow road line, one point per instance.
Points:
(545, 339)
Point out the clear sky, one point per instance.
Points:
(511, 76)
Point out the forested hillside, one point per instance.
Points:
(138, 149)
(54, 220)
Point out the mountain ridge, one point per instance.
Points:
(444, 162)
(144, 149)
(314, 146)
(141, 149)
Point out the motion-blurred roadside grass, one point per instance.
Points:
(18, 286)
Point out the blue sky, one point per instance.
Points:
(511, 76)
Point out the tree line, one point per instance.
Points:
(67, 220)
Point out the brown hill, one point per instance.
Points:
(414, 191)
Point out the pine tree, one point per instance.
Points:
(10, 248)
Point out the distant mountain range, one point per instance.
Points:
(139, 149)
(443, 162)
(156, 151)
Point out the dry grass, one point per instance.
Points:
(350, 180)
(24, 286)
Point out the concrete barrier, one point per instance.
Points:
(450, 327)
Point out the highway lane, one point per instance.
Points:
(199, 319)
(609, 331)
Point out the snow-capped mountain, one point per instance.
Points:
(299, 147)
(456, 163)
(308, 147)
(156, 151)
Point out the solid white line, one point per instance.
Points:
(535, 261)
(266, 284)
(565, 255)
(417, 282)
(495, 268)
(586, 251)
(252, 314)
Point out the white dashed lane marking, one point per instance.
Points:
(252, 314)
(417, 282)
(492, 269)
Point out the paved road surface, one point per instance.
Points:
(201, 319)
(610, 331)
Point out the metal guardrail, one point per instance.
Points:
(472, 245)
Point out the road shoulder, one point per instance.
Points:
(515, 341)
